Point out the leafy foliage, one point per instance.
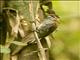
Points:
(4, 49)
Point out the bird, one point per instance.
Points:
(48, 25)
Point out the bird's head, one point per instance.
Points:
(53, 16)
(54, 19)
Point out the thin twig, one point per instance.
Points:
(42, 55)
(33, 52)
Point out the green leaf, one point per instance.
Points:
(4, 49)
(18, 43)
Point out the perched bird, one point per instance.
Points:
(47, 27)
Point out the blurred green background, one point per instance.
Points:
(66, 45)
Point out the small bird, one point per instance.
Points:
(47, 27)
